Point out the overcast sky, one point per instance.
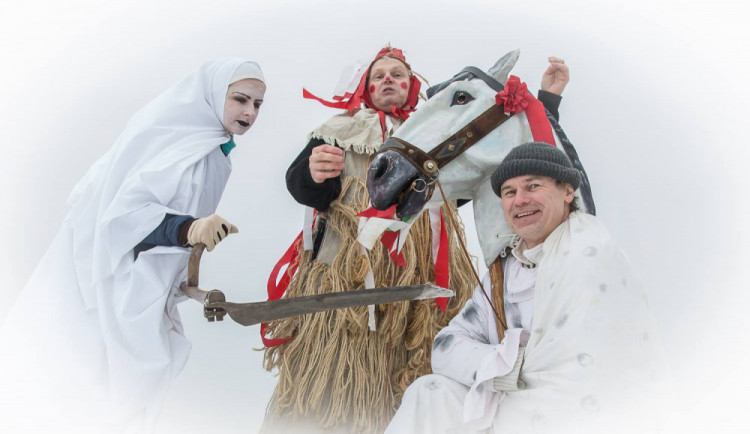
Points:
(654, 107)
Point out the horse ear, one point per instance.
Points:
(502, 68)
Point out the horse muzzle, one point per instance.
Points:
(393, 180)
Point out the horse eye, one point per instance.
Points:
(461, 98)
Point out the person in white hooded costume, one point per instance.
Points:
(562, 342)
(95, 339)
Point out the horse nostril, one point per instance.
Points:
(379, 167)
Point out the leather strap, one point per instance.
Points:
(498, 299)
(423, 161)
(469, 135)
(430, 163)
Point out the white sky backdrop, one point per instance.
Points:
(655, 108)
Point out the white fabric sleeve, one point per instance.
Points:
(460, 347)
(470, 342)
(468, 351)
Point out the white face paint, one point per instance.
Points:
(242, 105)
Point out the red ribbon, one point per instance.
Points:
(541, 129)
(442, 265)
(442, 262)
(352, 101)
(516, 98)
(390, 51)
(338, 104)
(351, 105)
(276, 291)
(388, 239)
(384, 214)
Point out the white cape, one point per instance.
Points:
(94, 340)
(593, 362)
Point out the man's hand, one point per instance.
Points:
(326, 162)
(210, 231)
(556, 77)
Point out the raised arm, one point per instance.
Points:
(554, 80)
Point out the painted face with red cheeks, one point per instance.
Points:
(388, 84)
(242, 105)
(535, 205)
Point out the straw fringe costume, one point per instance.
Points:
(336, 374)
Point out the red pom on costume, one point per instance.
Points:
(513, 97)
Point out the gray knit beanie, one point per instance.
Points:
(535, 158)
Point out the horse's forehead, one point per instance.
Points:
(438, 119)
(475, 85)
(441, 102)
(439, 108)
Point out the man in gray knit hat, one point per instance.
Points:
(537, 184)
(589, 362)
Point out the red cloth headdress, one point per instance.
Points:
(352, 91)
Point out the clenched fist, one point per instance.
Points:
(210, 231)
(326, 162)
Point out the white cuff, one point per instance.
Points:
(512, 380)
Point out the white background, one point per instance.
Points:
(656, 108)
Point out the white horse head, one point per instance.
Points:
(395, 175)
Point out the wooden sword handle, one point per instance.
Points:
(191, 289)
(194, 264)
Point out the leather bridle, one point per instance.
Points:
(429, 163)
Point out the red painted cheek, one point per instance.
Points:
(404, 86)
(372, 88)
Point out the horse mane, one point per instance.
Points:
(570, 151)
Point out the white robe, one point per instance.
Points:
(593, 362)
(94, 340)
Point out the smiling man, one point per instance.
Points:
(537, 186)
(562, 341)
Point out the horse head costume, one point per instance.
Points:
(458, 138)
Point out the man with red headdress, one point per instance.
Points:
(335, 372)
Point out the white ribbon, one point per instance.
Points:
(369, 231)
(369, 278)
(307, 239)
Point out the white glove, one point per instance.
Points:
(512, 380)
(210, 231)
